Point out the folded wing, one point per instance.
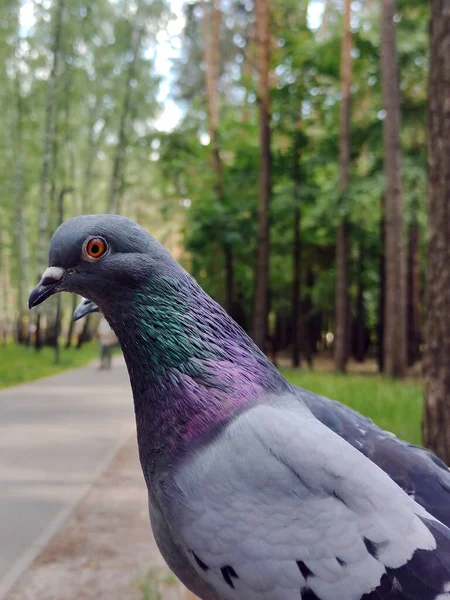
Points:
(279, 507)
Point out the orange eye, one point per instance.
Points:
(96, 247)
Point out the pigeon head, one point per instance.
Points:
(98, 257)
(191, 366)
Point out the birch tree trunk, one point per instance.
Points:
(49, 134)
(413, 299)
(261, 290)
(395, 309)
(342, 278)
(437, 331)
(93, 144)
(23, 283)
(48, 142)
(118, 170)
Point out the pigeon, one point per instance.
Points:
(419, 472)
(250, 495)
(84, 308)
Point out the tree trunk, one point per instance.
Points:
(48, 142)
(261, 290)
(93, 143)
(381, 291)
(309, 319)
(118, 170)
(395, 310)
(342, 277)
(212, 17)
(437, 330)
(47, 159)
(247, 69)
(58, 317)
(360, 346)
(296, 251)
(23, 283)
(413, 302)
(3, 285)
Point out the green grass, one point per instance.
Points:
(154, 584)
(392, 405)
(19, 364)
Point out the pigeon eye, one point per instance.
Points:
(95, 248)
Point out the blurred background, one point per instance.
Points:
(293, 155)
(277, 148)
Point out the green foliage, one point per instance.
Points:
(19, 364)
(167, 180)
(305, 103)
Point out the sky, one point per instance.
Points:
(168, 49)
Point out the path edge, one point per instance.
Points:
(28, 556)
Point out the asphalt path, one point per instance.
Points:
(56, 436)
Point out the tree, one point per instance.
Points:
(437, 331)
(261, 289)
(395, 311)
(381, 289)
(23, 283)
(118, 170)
(49, 140)
(296, 248)
(413, 296)
(212, 16)
(342, 280)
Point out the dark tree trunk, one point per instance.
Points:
(308, 321)
(342, 300)
(381, 292)
(437, 331)
(413, 302)
(395, 311)
(342, 276)
(360, 319)
(261, 290)
(296, 252)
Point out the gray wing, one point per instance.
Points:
(419, 472)
(279, 507)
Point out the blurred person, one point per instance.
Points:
(108, 340)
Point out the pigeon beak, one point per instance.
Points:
(84, 308)
(48, 285)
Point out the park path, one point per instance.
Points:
(57, 435)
